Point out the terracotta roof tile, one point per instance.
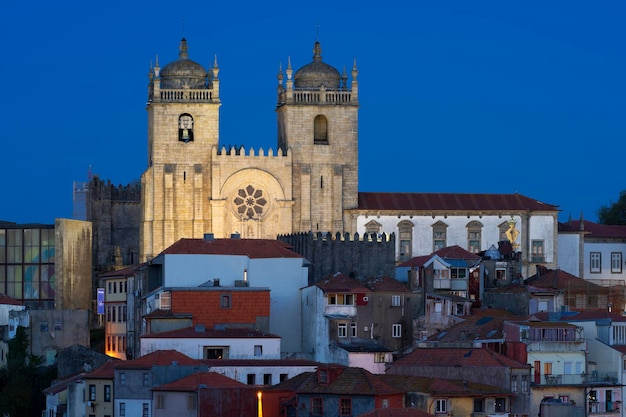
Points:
(341, 283)
(559, 279)
(7, 300)
(385, 284)
(157, 358)
(466, 357)
(438, 386)
(258, 362)
(450, 202)
(105, 371)
(192, 382)
(397, 412)
(450, 252)
(252, 248)
(594, 230)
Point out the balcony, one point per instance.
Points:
(575, 379)
(610, 407)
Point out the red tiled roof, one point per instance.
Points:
(341, 283)
(473, 357)
(559, 279)
(252, 248)
(450, 252)
(226, 333)
(594, 230)
(585, 315)
(450, 202)
(124, 272)
(482, 324)
(439, 386)
(6, 300)
(351, 381)
(106, 371)
(157, 358)
(62, 385)
(386, 284)
(192, 382)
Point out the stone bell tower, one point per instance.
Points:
(318, 122)
(183, 128)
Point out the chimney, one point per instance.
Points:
(216, 282)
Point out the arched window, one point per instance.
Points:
(502, 228)
(474, 233)
(439, 235)
(405, 240)
(185, 128)
(320, 130)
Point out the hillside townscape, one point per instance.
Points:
(233, 281)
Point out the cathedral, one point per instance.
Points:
(192, 186)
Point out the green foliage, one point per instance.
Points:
(22, 381)
(615, 213)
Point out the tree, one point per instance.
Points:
(615, 213)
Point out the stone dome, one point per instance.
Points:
(317, 74)
(183, 72)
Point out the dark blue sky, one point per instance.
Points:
(456, 96)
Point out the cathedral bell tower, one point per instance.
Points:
(183, 128)
(317, 114)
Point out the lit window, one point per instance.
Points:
(396, 330)
(379, 357)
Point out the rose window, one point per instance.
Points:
(250, 202)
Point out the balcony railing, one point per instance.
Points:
(576, 379)
(609, 407)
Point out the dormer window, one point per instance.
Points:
(322, 376)
(185, 128)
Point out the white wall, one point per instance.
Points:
(238, 348)
(569, 253)
(240, 373)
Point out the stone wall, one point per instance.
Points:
(352, 255)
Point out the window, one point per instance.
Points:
(514, 383)
(479, 405)
(460, 309)
(616, 262)
(225, 301)
(345, 406)
(524, 384)
(192, 404)
(341, 299)
(122, 409)
(353, 330)
(320, 130)
(537, 251)
(322, 376)
(379, 357)
(185, 128)
(108, 343)
(122, 378)
(503, 228)
(92, 392)
(438, 307)
(107, 393)
(160, 402)
(405, 240)
(146, 379)
(342, 330)
(439, 236)
(500, 405)
(109, 313)
(317, 406)
(258, 350)
(58, 326)
(373, 228)
(441, 406)
(542, 305)
(385, 403)
(110, 286)
(251, 378)
(283, 377)
(458, 273)
(395, 300)
(145, 410)
(267, 379)
(547, 368)
(396, 330)
(113, 310)
(216, 352)
(474, 229)
(500, 274)
(43, 327)
(595, 262)
(114, 287)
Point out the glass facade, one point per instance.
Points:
(27, 264)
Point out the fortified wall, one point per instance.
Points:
(352, 255)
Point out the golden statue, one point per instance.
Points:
(512, 233)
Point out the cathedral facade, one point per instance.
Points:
(192, 186)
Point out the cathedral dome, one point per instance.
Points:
(183, 72)
(317, 73)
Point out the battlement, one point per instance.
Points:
(100, 190)
(240, 150)
(359, 256)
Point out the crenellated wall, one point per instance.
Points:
(352, 255)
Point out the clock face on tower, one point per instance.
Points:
(185, 128)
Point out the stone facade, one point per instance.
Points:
(193, 187)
